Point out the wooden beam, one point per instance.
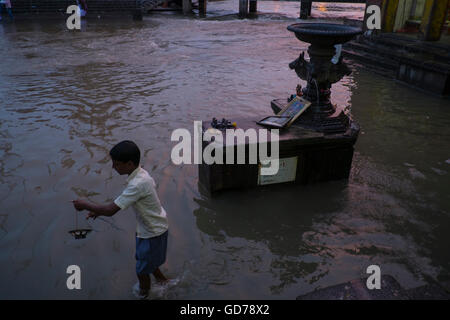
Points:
(305, 8)
(202, 7)
(187, 6)
(253, 6)
(243, 9)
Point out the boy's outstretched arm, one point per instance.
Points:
(96, 210)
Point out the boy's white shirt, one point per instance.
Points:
(140, 193)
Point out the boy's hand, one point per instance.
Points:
(80, 204)
(92, 215)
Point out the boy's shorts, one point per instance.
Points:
(150, 253)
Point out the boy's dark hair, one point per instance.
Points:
(125, 151)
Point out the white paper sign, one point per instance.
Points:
(286, 172)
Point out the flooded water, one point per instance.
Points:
(67, 97)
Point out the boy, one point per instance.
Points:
(8, 7)
(152, 226)
(83, 7)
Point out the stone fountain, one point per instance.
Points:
(319, 144)
(320, 73)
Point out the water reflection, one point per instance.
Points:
(322, 7)
(269, 219)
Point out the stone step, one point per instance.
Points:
(412, 61)
(390, 57)
(372, 62)
(401, 54)
(428, 50)
(413, 41)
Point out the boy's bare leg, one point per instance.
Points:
(159, 276)
(144, 283)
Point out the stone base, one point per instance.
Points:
(319, 157)
(137, 15)
(337, 122)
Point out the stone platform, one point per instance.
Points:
(312, 157)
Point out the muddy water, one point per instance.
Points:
(67, 97)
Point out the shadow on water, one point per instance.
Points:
(276, 221)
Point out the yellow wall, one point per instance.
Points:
(389, 13)
(420, 5)
(403, 13)
(432, 14)
(433, 19)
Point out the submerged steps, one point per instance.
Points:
(422, 64)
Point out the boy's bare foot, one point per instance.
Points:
(143, 293)
(140, 293)
(160, 277)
